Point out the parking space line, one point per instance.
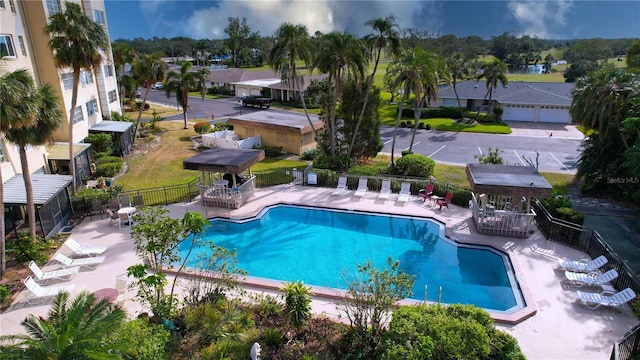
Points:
(480, 150)
(559, 162)
(519, 158)
(386, 142)
(433, 153)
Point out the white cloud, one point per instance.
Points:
(539, 18)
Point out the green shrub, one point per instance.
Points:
(100, 143)
(481, 118)
(4, 292)
(297, 306)
(341, 163)
(406, 152)
(369, 170)
(415, 165)
(310, 154)
(435, 112)
(24, 250)
(202, 127)
(108, 159)
(220, 126)
(270, 151)
(150, 340)
(568, 214)
(108, 169)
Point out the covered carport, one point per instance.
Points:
(226, 179)
(120, 132)
(501, 201)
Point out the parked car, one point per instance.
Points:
(257, 101)
(157, 86)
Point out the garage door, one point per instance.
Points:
(554, 114)
(518, 113)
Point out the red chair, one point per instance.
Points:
(444, 201)
(426, 192)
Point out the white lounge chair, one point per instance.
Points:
(341, 189)
(89, 262)
(362, 188)
(45, 291)
(595, 300)
(61, 274)
(80, 250)
(583, 265)
(591, 279)
(405, 192)
(385, 190)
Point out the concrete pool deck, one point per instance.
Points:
(561, 327)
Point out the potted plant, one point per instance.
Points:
(101, 181)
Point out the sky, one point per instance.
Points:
(207, 19)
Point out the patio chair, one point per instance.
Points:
(591, 279)
(595, 300)
(124, 220)
(45, 291)
(112, 215)
(112, 205)
(61, 274)
(80, 250)
(405, 193)
(362, 188)
(583, 265)
(88, 262)
(125, 201)
(138, 200)
(426, 192)
(341, 189)
(385, 190)
(444, 201)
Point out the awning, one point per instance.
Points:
(230, 161)
(60, 151)
(112, 126)
(510, 180)
(45, 187)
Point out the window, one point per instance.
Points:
(2, 4)
(108, 70)
(6, 46)
(112, 96)
(77, 115)
(22, 47)
(67, 81)
(53, 7)
(92, 107)
(12, 6)
(86, 78)
(98, 16)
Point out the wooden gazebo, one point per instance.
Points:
(226, 179)
(501, 201)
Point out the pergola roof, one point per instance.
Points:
(510, 180)
(230, 161)
(60, 151)
(112, 126)
(45, 187)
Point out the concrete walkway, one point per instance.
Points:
(562, 328)
(531, 129)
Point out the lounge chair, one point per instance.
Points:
(89, 262)
(444, 201)
(80, 250)
(362, 188)
(45, 291)
(405, 192)
(61, 274)
(426, 192)
(341, 189)
(583, 265)
(385, 190)
(595, 300)
(591, 279)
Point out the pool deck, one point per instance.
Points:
(557, 326)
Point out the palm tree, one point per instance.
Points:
(292, 43)
(122, 54)
(388, 39)
(339, 53)
(150, 69)
(77, 329)
(184, 81)
(460, 69)
(76, 42)
(47, 120)
(493, 72)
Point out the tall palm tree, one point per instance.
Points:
(182, 82)
(493, 72)
(387, 39)
(74, 329)
(122, 55)
(460, 68)
(150, 69)
(77, 42)
(292, 42)
(16, 110)
(41, 131)
(339, 53)
(402, 74)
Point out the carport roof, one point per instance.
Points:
(510, 180)
(60, 151)
(112, 126)
(289, 122)
(45, 187)
(230, 161)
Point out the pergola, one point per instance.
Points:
(221, 183)
(501, 201)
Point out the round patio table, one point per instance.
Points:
(110, 294)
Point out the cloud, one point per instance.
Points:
(539, 18)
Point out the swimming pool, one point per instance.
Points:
(319, 246)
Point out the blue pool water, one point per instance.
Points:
(320, 247)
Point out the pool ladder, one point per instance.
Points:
(439, 294)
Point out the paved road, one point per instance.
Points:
(558, 152)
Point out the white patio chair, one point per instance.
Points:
(362, 188)
(405, 193)
(61, 274)
(45, 291)
(385, 190)
(341, 189)
(591, 279)
(583, 265)
(595, 300)
(89, 262)
(81, 250)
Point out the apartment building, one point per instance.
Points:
(24, 45)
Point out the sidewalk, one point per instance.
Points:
(531, 129)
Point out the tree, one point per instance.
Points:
(493, 72)
(76, 329)
(293, 43)
(77, 42)
(297, 300)
(240, 38)
(122, 54)
(369, 141)
(388, 39)
(41, 131)
(633, 56)
(182, 82)
(150, 69)
(461, 69)
(493, 157)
